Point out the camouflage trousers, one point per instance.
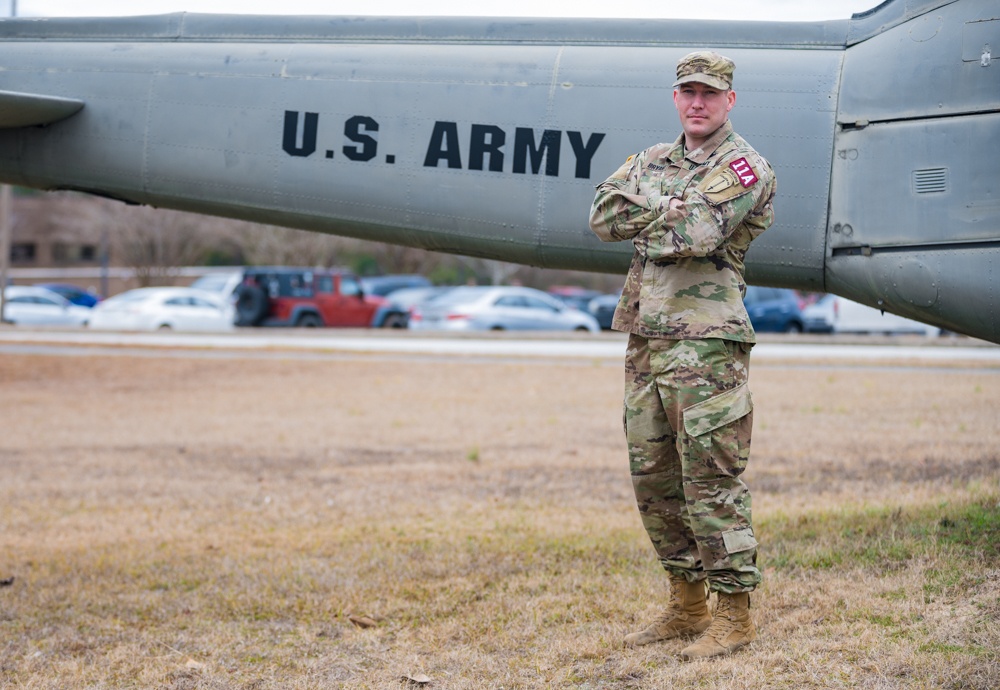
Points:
(688, 417)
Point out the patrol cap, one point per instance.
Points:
(706, 67)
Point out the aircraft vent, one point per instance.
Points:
(930, 181)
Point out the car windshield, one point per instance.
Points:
(459, 295)
(410, 296)
(212, 283)
(130, 297)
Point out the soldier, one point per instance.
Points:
(691, 209)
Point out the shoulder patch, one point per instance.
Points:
(630, 158)
(721, 186)
(745, 173)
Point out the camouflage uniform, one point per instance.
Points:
(688, 410)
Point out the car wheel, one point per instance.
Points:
(308, 321)
(582, 329)
(394, 321)
(793, 327)
(164, 327)
(496, 328)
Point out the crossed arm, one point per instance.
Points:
(665, 227)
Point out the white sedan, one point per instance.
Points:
(35, 306)
(833, 314)
(499, 309)
(164, 308)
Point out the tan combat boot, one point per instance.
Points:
(731, 629)
(686, 615)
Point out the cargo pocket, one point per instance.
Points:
(718, 431)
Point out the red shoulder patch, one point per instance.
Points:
(748, 178)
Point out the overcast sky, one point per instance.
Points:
(791, 10)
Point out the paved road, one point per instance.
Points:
(610, 346)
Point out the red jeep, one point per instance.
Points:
(303, 298)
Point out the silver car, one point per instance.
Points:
(35, 306)
(473, 308)
(164, 308)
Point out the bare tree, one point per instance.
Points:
(398, 259)
(273, 245)
(154, 242)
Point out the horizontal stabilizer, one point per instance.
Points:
(28, 109)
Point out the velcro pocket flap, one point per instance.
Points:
(739, 539)
(717, 411)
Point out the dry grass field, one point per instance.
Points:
(326, 523)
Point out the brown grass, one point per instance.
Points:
(195, 523)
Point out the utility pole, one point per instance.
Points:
(4, 245)
(5, 229)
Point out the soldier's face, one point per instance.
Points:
(702, 109)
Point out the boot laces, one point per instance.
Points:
(666, 617)
(675, 606)
(723, 621)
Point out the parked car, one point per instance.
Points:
(480, 308)
(30, 305)
(833, 314)
(773, 310)
(383, 286)
(305, 298)
(400, 304)
(574, 296)
(603, 308)
(164, 308)
(75, 294)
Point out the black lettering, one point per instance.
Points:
(290, 141)
(353, 130)
(443, 145)
(524, 148)
(584, 153)
(486, 139)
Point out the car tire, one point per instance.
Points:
(251, 305)
(308, 321)
(793, 327)
(394, 321)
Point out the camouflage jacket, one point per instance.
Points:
(686, 278)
